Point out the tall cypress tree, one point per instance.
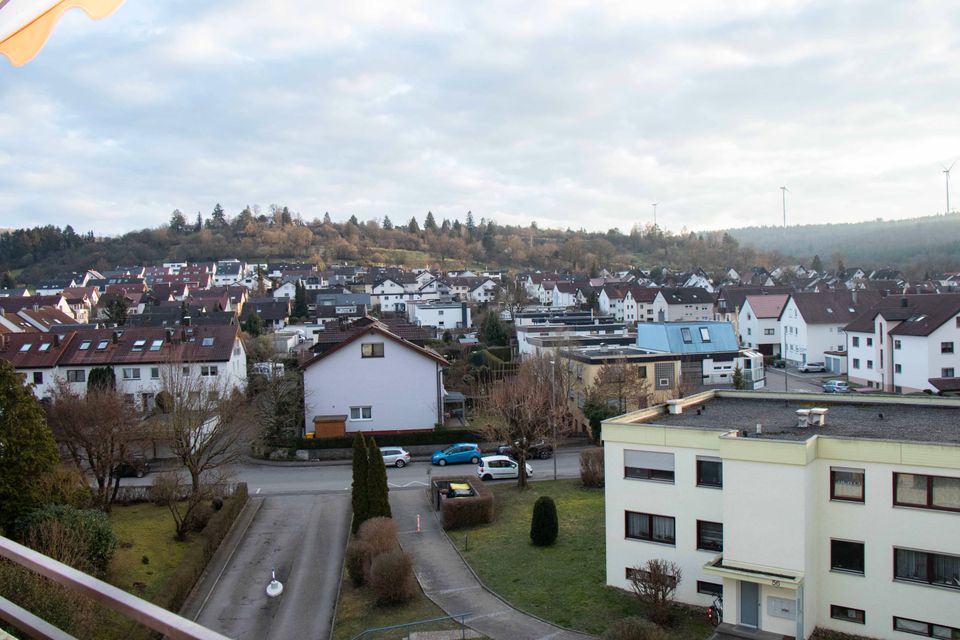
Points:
(377, 483)
(359, 490)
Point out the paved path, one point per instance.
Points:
(448, 581)
(303, 538)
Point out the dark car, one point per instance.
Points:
(135, 467)
(541, 449)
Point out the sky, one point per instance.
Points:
(570, 114)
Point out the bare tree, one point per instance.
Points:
(278, 406)
(99, 432)
(655, 583)
(513, 296)
(198, 420)
(621, 383)
(526, 407)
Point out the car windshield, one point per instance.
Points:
(451, 450)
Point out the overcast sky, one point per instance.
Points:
(573, 114)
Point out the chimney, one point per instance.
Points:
(803, 418)
(116, 337)
(855, 295)
(56, 340)
(903, 302)
(183, 335)
(186, 321)
(169, 333)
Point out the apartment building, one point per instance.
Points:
(812, 324)
(759, 323)
(800, 510)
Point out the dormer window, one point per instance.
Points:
(207, 342)
(138, 345)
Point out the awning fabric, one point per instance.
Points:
(25, 25)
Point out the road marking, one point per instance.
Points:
(258, 489)
(409, 484)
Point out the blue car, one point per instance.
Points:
(459, 452)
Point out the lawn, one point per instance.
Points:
(358, 611)
(564, 583)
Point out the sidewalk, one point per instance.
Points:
(452, 585)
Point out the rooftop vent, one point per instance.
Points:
(674, 407)
(818, 417)
(803, 417)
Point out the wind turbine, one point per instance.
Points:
(784, 190)
(654, 205)
(946, 172)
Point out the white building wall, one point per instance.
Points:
(860, 355)
(401, 387)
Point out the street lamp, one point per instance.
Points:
(553, 418)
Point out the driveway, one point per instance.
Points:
(302, 538)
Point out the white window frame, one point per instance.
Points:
(360, 411)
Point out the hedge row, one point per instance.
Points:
(177, 587)
(442, 436)
(458, 513)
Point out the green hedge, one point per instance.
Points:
(501, 353)
(438, 437)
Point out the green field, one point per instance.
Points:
(564, 583)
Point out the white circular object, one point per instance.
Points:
(275, 588)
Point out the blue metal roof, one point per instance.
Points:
(687, 337)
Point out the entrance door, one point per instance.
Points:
(750, 604)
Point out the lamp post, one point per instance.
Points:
(553, 418)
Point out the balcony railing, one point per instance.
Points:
(107, 595)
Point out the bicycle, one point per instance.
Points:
(715, 611)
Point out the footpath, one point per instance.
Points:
(451, 583)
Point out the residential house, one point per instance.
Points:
(374, 382)
(708, 350)
(639, 304)
(812, 324)
(442, 315)
(54, 286)
(683, 304)
(274, 312)
(21, 292)
(389, 295)
(533, 327)
(906, 344)
(802, 511)
(730, 301)
(564, 295)
(759, 323)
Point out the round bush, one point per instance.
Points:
(81, 538)
(635, 628)
(392, 579)
(380, 534)
(544, 527)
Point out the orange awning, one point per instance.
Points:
(25, 25)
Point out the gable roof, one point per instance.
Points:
(687, 295)
(378, 328)
(833, 307)
(919, 314)
(768, 306)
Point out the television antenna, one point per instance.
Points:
(946, 173)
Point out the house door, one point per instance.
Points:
(750, 604)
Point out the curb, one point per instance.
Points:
(496, 595)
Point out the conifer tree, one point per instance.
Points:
(379, 502)
(359, 489)
(387, 223)
(430, 223)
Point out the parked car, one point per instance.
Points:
(836, 386)
(808, 367)
(136, 466)
(542, 450)
(780, 364)
(395, 457)
(457, 453)
(500, 467)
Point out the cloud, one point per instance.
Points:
(569, 113)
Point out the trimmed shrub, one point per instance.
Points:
(81, 538)
(199, 517)
(357, 561)
(378, 500)
(635, 628)
(380, 534)
(591, 468)
(457, 513)
(544, 525)
(392, 579)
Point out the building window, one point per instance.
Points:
(926, 492)
(131, 374)
(856, 363)
(946, 347)
(710, 588)
(928, 629)
(154, 373)
(76, 375)
(208, 371)
(869, 364)
(631, 572)
(686, 335)
(769, 332)
(846, 556)
(361, 413)
(371, 350)
(855, 341)
(648, 465)
(709, 536)
(138, 345)
(929, 568)
(946, 372)
(848, 614)
(704, 334)
(664, 372)
(646, 526)
(897, 368)
(896, 344)
(709, 472)
(37, 377)
(846, 484)
(869, 342)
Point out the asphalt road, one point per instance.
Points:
(796, 381)
(302, 538)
